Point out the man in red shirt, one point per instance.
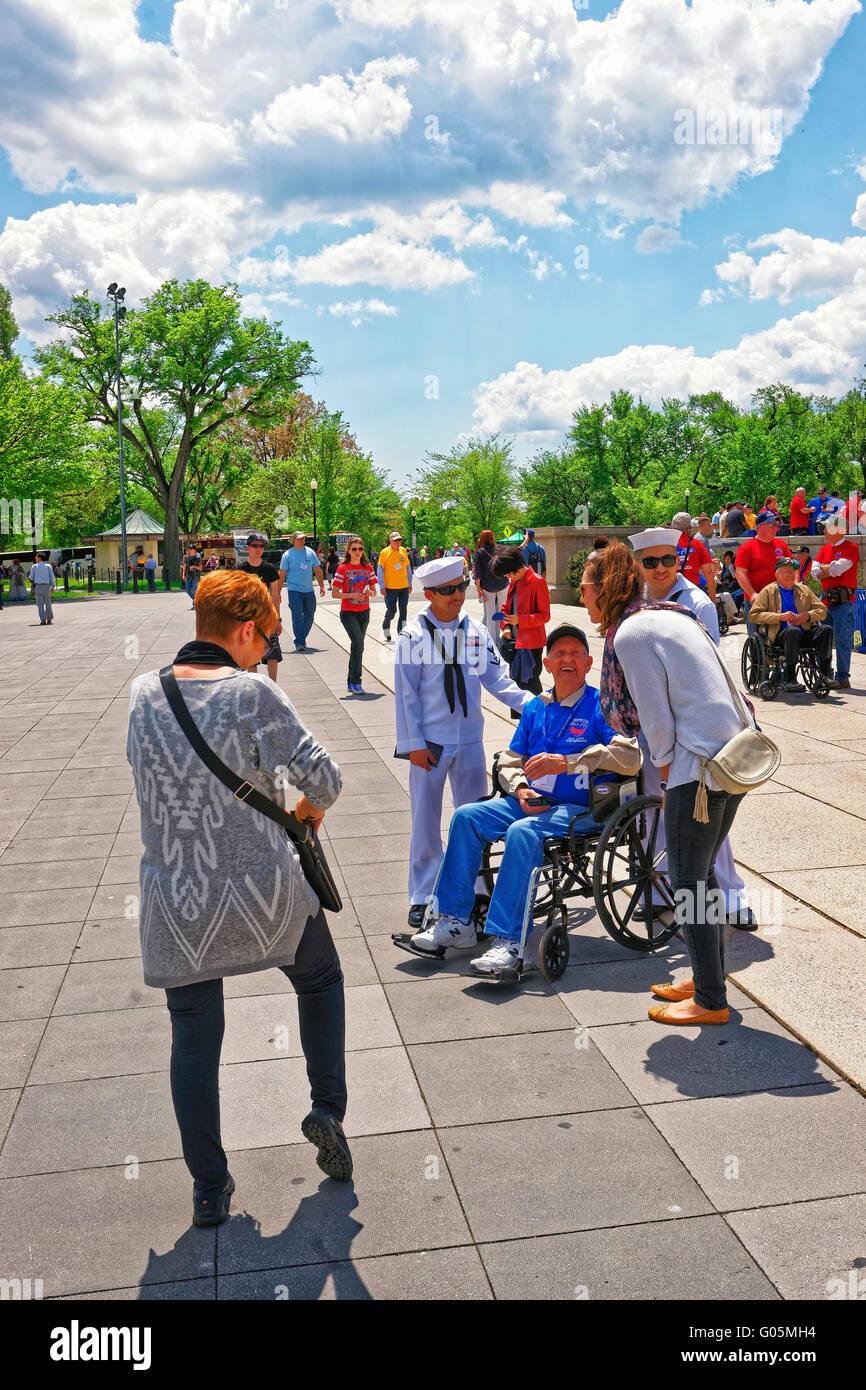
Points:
(836, 567)
(693, 558)
(800, 513)
(756, 559)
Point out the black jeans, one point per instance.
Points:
(692, 847)
(197, 1027)
(356, 626)
(395, 598)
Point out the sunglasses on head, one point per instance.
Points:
(667, 560)
(446, 590)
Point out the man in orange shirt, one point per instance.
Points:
(394, 572)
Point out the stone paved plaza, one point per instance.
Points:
(540, 1142)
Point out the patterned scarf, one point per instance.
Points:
(617, 705)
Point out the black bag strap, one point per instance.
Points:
(242, 790)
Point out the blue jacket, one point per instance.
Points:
(546, 727)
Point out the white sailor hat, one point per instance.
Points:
(446, 570)
(656, 535)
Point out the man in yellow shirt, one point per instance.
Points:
(395, 582)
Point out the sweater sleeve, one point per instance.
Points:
(647, 681)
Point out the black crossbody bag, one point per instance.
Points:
(302, 835)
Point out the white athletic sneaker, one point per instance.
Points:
(445, 931)
(499, 955)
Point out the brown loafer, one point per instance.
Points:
(659, 1014)
(674, 992)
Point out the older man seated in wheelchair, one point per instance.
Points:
(794, 620)
(561, 739)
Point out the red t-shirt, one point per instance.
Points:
(799, 512)
(353, 579)
(698, 556)
(847, 550)
(758, 559)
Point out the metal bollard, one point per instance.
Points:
(90, 581)
(135, 581)
(66, 581)
(167, 578)
(119, 582)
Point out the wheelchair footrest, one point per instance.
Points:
(508, 975)
(403, 939)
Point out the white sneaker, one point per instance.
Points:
(501, 954)
(445, 931)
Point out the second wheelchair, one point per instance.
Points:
(762, 664)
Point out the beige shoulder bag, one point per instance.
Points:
(747, 760)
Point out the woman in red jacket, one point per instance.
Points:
(527, 612)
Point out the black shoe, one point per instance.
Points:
(416, 915)
(792, 687)
(386, 634)
(742, 920)
(326, 1133)
(213, 1211)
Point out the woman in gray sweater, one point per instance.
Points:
(222, 892)
(662, 675)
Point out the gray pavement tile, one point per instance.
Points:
(115, 939)
(846, 789)
(183, 1290)
(344, 923)
(840, 894)
(779, 1146)
(94, 986)
(35, 851)
(116, 899)
(30, 992)
(252, 1023)
(85, 815)
(423, 1275)
(121, 868)
(401, 1200)
(8, 1101)
(788, 847)
(19, 1040)
(369, 779)
(382, 914)
(81, 781)
(85, 1047)
(373, 851)
(371, 880)
(126, 843)
(544, 1176)
(367, 805)
(619, 991)
(839, 719)
(810, 1250)
(357, 966)
(509, 1078)
(663, 1260)
(352, 757)
(21, 909)
(447, 1008)
(105, 1229)
(49, 943)
(51, 873)
(751, 1053)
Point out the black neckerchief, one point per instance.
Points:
(198, 653)
(451, 663)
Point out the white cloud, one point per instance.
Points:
(656, 238)
(376, 258)
(531, 204)
(356, 108)
(801, 265)
(358, 310)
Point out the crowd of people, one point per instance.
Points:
(228, 892)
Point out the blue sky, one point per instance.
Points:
(289, 148)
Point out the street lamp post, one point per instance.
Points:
(314, 485)
(117, 296)
(688, 495)
(414, 539)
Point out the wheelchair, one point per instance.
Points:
(762, 665)
(613, 863)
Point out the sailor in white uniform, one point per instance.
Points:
(441, 662)
(654, 543)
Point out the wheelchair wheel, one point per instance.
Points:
(625, 873)
(814, 680)
(768, 690)
(553, 946)
(752, 664)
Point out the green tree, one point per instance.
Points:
(46, 449)
(187, 350)
(8, 326)
(475, 484)
(555, 485)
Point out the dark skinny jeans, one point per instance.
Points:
(356, 626)
(692, 847)
(197, 1027)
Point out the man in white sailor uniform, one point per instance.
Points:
(441, 662)
(656, 552)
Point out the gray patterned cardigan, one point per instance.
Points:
(222, 891)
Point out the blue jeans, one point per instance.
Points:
(480, 823)
(302, 606)
(394, 599)
(841, 619)
(191, 585)
(197, 1027)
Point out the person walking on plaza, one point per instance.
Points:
(394, 572)
(655, 549)
(269, 575)
(150, 573)
(662, 675)
(490, 589)
(301, 565)
(355, 581)
(792, 612)
(42, 583)
(192, 566)
(756, 560)
(17, 584)
(245, 904)
(441, 663)
(526, 609)
(534, 555)
(836, 567)
(331, 564)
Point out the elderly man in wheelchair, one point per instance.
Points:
(791, 632)
(562, 737)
